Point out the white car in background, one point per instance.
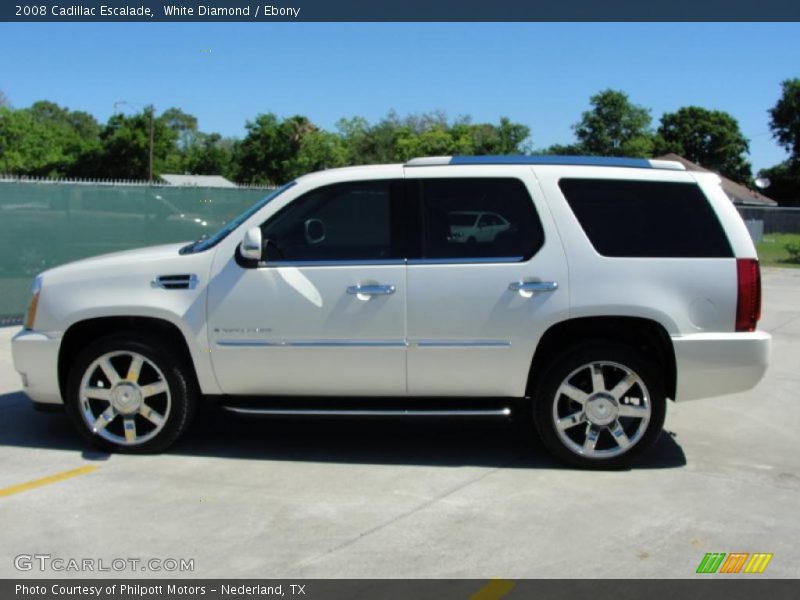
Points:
(473, 226)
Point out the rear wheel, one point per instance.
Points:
(129, 392)
(600, 406)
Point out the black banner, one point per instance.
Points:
(712, 588)
(256, 11)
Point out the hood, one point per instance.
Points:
(126, 260)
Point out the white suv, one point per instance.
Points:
(612, 285)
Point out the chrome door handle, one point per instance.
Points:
(371, 290)
(533, 286)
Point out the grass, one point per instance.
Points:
(772, 250)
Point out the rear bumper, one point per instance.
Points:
(713, 364)
(35, 357)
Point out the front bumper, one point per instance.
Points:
(35, 357)
(713, 364)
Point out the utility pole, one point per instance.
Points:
(150, 158)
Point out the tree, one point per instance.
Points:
(126, 146)
(785, 118)
(318, 150)
(710, 138)
(370, 144)
(26, 146)
(784, 183)
(614, 127)
(49, 140)
(269, 151)
(562, 150)
(3, 100)
(785, 124)
(395, 139)
(210, 154)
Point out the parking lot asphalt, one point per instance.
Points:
(399, 499)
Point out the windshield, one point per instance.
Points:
(214, 239)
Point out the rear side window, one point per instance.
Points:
(651, 219)
(477, 218)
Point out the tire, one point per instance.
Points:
(130, 392)
(599, 406)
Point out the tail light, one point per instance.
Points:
(748, 302)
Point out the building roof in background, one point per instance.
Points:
(216, 181)
(738, 193)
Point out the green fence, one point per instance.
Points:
(44, 224)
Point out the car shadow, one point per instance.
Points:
(425, 442)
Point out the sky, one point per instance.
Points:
(538, 74)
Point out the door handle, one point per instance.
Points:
(367, 291)
(533, 287)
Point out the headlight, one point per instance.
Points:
(30, 316)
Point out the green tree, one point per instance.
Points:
(370, 144)
(210, 154)
(395, 139)
(710, 138)
(562, 150)
(3, 100)
(785, 124)
(268, 153)
(614, 127)
(785, 118)
(126, 146)
(318, 150)
(27, 147)
(183, 128)
(49, 140)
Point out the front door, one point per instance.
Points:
(324, 314)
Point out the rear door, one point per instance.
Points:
(477, 309)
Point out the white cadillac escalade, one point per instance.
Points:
(587, 290)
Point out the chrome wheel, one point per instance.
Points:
(601, 410)
(124, 398)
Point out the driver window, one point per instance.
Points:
(347, 221)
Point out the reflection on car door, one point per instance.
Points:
(325, 313)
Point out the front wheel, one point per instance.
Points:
(600, 406)
(128, 392)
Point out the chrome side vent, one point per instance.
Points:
(176, 282)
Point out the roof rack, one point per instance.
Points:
(517, 159)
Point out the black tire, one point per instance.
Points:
(575, 365)
(180, 399)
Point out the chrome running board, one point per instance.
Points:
(345, 412)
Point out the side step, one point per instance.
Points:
(304, 406)
(349, 412)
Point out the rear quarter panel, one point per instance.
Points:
(684, 295)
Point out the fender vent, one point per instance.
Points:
(176, 282)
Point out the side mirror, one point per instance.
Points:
(251, 244)
(315, 231)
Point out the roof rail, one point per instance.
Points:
(518, 159)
